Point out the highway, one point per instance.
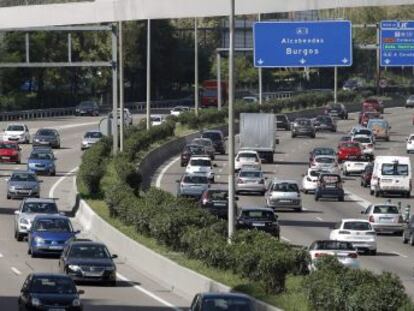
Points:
(291, 161)
(135, 289)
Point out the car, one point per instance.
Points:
(17, 132)
(201, 165)
(366, 175)
(353, 85)
(10, 152)
(90, 138)
(28, 210)
(380, 128)
(189, 151)
(176, 111)
(324, 123)
(329, 186)
(47, 137)
(128, 120)
(303, 127)
(49, 234)
(192, 185)
(310, 180)
(49, 291)
(88, 261)
(320, 151)
(366, 143)
(355, 164)
(409, 103)
(358, 232)
(410, 144)
(258, 218)
(368, 115)
(250, 180)
(87, 108)
(337, 111)
(247, 158)
(217, 138)
(42, 161)
(361, 131)
(22, 184)
(216, 202)
(250, 99)
(282, 121)
(221, 301)
(408, 232)
(157, 119)
(370, 104)
(207, 143)
(346, 149)
(385, 218)
(283, 194)
(326, 163)
(341, 250)
(344, 139)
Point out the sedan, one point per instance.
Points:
(355, 164)
(385, 218)
(10, 152)
(90, 138)
(346, 149)
(326, 163)
(258, 218)
(47, 291)
(22, 184)
(359, 232)
(216, 202)
(410, 144)
(88, 261)
(42, 161)
(207, 143)
(283, 194)
(250, 180)
(47, 137)
(192, 185)
(222, 301)
(303, 127)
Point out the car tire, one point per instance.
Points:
(371, 192)
(411, 239)
(299, 210)
(8, 197)
(316, 198)
(408, 194)
(313, 136)
(18, 236)
(341, 199)
(362, 184)
(373, 252)
(111, 283)
(53, 173)
(18, 161)
(305, 191)
(293, 135)
(404, 238)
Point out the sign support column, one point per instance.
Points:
(335, 84)
(148, 110)
(121, 89)
(196, 87)
(114, 90)
(259, 18)
(219, 92)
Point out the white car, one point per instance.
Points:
(157, 120)
(326, 163)
(343, 251)
(359, 232)
(201, 165)
(355, 164)
(127, 116)
(310, 180)
(366, 142)
(17, 132)
(247, 158)
(361, 130)
(410, 143)
(176, 111)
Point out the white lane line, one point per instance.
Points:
(164, 170)
(148, 293)
(15, 271)
(285, 239)
(1, 255)
(319, 218)
(56, 184)
(359, 200)
(399, 254)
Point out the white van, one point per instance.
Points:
(391, 174)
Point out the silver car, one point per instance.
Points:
(283, 194)
(192, 185)
(410, 102)
(207, 143)
(90, 138)
(22, 184)
(28, 210)
(385, 218)
(250, 180)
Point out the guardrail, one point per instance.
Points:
(36, 114)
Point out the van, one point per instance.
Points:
(380, 128)
(391, 175)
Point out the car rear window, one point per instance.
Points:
(200, 162)
(394, 169)
(196, 179)
(285, 187)
(46, 132)
(247, 156)
(357, 225)
(250, 174)
(218, 195)
(324, 151)
(364, 140)
(257, 214)
(350, 145)
(325, 160)
(333, 245)
(385, 209)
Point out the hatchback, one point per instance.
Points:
(47, 137)
(42, 161)
(385, 218)
(283, 194)
(10, 152)
(216, 202)
(345, 252)
(192, 185)
(22, 184)
(250, 180)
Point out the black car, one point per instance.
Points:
(88, 261)
(282, 121)
(87, 108)
(366, 175)
(408, 233)
(259, 218)
(47, 137)
(189, 151)
(337, 111)
(303, 127)
(324, 123)
(47, 291)
(329, 186)
(221, 301)
(216, 202)
(217, 138)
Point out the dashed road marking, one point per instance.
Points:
(399, 254)
(285, 239)
(164, 170)
(319, 218)
(15, 271)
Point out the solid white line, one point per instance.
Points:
(164, 170)
(399, 254)
(359, 200)
(148, 293)
(56, 184)
(15, 271)
(285, 239)
(1, 255)
(319, 218)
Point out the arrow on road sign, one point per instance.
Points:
(387, 61)
(345, 60)
(302, 61)
(260, 61)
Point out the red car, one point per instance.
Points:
(348, 148)
(372, 104)
(10, 152)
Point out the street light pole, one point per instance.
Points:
(148, 115)
(219, 91)
(121, 88)
(196, 87)
(114, 90)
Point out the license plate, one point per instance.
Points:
(5, 158)
(220, 204)
(359, 164)
(93, 274)
(385, 219)
(258, 224)
(57, 247)
(56, 309)
(285, 201)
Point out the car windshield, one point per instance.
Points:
(37, 155)
(218, 195)
(386, 209)
(8, 146)
(226, 304)
(23, 177)
(314, 173)
(303, 122)
(39, 207)
(377, 123)
(203, 142)
(55, 225)
(325, 160)
(324, 151)
(15, 128)
(258, 214)
(251, 174)
(93, 135)
(332, 245)
(357, 225)
(212, 135)
(285, 187)
(324, 120)
(250, 156)
(46, 132)
(200, 162)
(363, 140)
(89, 251)
(394, 169)
(192, 179)
(52, 285)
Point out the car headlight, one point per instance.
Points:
(12, 188)
(112, 268)
(76, 303)
(36, 140)
(51, 164)
(35, 302)
(39, 240)
(24, 221)
(74, 268)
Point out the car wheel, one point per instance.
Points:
(376, 193)
(373, 252)
(305, 191)
(18, 236)
(371, 192)
(408, 194)
(411, 239)
(8, 197)
(362, 184)
(58, 146)
(313, 136)
(293, 135)
(316, 198)
(404, 238)
(18, 161)
(53, 173)
(341, 199)
(298, 210)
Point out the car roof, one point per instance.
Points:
(85, 242)
(39, 200)
(278, 180)
(354, 219)
(48, 274)
(20, 124)
(247, 151)
(229, 295)
(200, 157)
(264, 209)
(325, 156)
(195, 174)
(52, 216)
(212, 131)
(23, 172)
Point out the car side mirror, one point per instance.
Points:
(114, 256)
(81, 292)
(16, 212)
(215, 165)
(177, 181)
(77, 232)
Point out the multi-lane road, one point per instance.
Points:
(291, 161)
(135, 289)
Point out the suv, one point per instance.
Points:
(303, 127)
(329, 186)
(283, 194)
(217, 138)
(259, 218)
(282, 121)
(87, 108)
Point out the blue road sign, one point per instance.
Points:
(397, 43)
(302, 44)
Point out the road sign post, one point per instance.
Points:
(396, 43)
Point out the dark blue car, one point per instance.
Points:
(49, 234)
(329, 186)
(42, 161)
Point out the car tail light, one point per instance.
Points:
(353, 255)
(240, 181)
(371, 219)
(344, 232)
(370, 145)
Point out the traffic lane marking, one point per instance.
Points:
(15, 271)
(164, 170)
